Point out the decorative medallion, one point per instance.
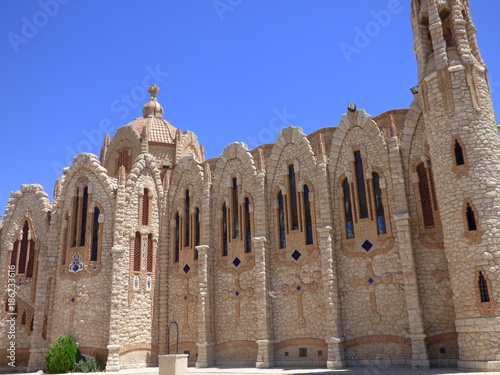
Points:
(76, 263)
(136, 282)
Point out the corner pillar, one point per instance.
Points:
(205, 340)
(329, 274)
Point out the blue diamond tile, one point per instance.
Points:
(75, 268)
(185, 298)
(370, 280)
(296, 255)
(73, 299)
(298, 287)
(236, 262)
(186, 268)
(367, 245)
(237, 293)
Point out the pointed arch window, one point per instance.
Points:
(224, 230)
(379, 204)
(149, 267)
(292, 194)
(76, 202)
(177, 238)
(234, 208)
(197, 231)
(24, 254)
(307, 216)
(281, 221)
(95, 235)
(145, 207)
(459, 153)
(360, 182)
(137, 252)
(425, 188)
(187, 229)
(349, 222)
(248, 227)
(83, 219)
(483, 288)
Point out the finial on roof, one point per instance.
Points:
(153, 108)
(153, 90)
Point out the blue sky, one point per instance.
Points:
(229, 70)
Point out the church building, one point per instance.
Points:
(373, 242)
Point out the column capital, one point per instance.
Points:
(325, 229)
(118, 249)
(260, 239)
(202, 247)
(402, 216)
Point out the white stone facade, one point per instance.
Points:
(376, 241)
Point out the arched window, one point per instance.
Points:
(31, 259)
(471, 218)
(76, 201)
(379, 204)
(292, 196)
(349, 223)
(360, 182)
(224, 230)
(281, 222)
(145, 207)
(95, 235)
(197, 231)
(248, 228)
(149, 267)
(307, 216)
(234, 209)
(23, 253)
(83, 220)
(187, 205)
(426, 201)
(65, 239)
(137, 252)
(459, 153)
(483, 288)
(177, 237)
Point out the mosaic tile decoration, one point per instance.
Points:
(186, 268)
(367, 245)
(296, 255)
(236, 262)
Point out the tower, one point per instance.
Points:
(464, 149)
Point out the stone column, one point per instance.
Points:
(113, 362)
(332, 312)
(205, 318)
(265, 343)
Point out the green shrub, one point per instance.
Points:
(87, 363)
(61, 355)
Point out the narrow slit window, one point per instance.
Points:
(145, 207)
(137, 252)
(224, 230)
(360, 179)
(76, 201)
(281, 221)
(83, 221)
(13, 256)
(95, 235)
(150, 253)
(425, 196)
(483, 288)
(292, 192)
(349, 223)
(177, 245)
(307, 216)
(234, 209)
(471, 218)
(379, 204)
(23, 250)
(248, 228)
(31, 260)
(187, 204)
(197, 231)
(459, 153)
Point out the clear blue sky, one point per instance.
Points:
(71, 69)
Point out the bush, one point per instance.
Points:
(61, 355)
(87, 363)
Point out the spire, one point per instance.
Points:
(153, 108)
